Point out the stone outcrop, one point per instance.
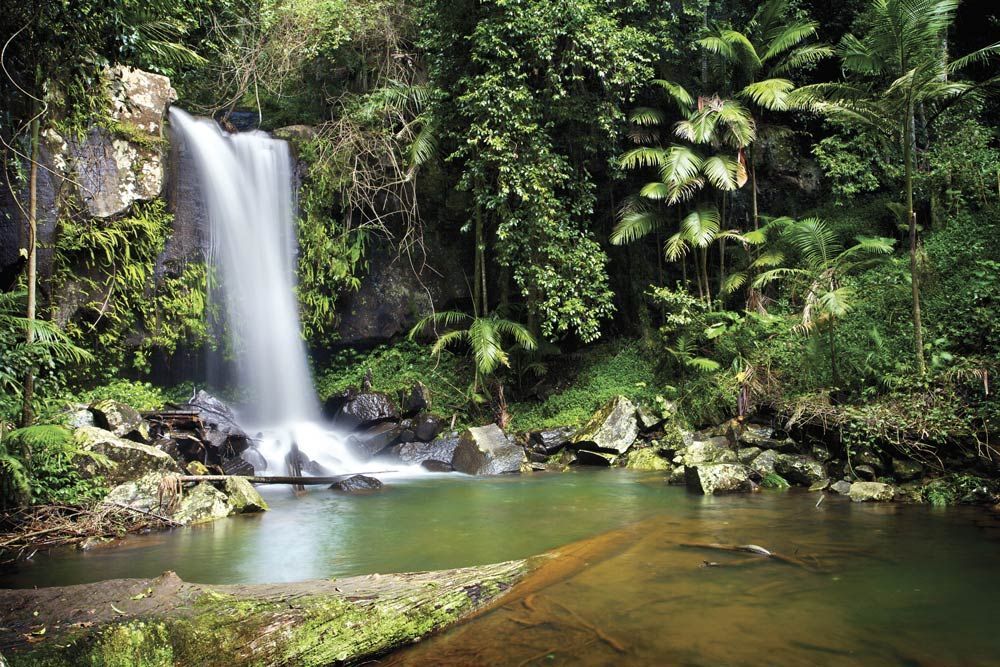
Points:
(486, 450)
(613, 428)
(871, 491)
(441, 450)
(717, 478)
(203, 504)
(131, 459)
(122, 420)
(357, 484)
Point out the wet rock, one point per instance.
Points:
(589, 457)
(333, 403)
(132, 459)
(256, 460)
(841, 487)
(430, 465)
(871, 492)
(869, 457)
(441, 449)
(646, 459)
(717, 478)
(121, 419)
(427, 427)
(712, 450)
(747, 454)
(486, 450)
(765, 462)
(613, 428)
(373, 440)
(561, 461)
(864, 472)
(536, 456)
(221, 432)
(204, 503)
(416, 399)
(358, 484)
(676, 475)
(238, 466)
(799, 469)
(243, 497)
(906, 471)
(363, 410)
(551, 440)
(820, 485)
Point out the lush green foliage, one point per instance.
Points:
(40, 464)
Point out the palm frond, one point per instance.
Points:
(814, 240)
(789, 37)
(634, 226)
(644, 156)
(646, 116)
(678, 95)
(771, 94)
(721, 171)
(700, 227)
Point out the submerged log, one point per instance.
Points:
(297, 480)
(169, 621)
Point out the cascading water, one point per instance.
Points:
(246, 182)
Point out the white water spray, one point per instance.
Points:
(246, 181)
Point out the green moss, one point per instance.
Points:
(646, 459)
(130, 132)
(774, 481)
(134, 644)
(605, 372)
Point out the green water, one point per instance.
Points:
(884, 584)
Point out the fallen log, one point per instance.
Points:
(276, 479)
(171, 622)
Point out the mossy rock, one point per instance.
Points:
(613, 428)
(646, 459)
(132, 460)
(243, 497)
(203, 504)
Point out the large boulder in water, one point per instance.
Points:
(365, 409)
(202, 504)
(357, 484)
(427, 427)
(862, 492)
(143, 494)
(717, 478)
(549, 441)
(221, 432)
(613, 428)
(442, 449)
(121, 419)
(799, 469)
(131, 459)
(415, 399)
(243, 497)
(486, 450)
(711, 450)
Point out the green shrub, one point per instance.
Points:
(40, 464)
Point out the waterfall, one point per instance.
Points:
(246, 182)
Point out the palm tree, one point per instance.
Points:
(899, 65)
(757, 61)
(725, 128)
(484, 335)
(824, 263)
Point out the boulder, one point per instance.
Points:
(142, 494)
(863, 471)
(365, 409)
(765, 437)
(841, 487)
(712, 450)
(765, 462)
(243, 497)
(413, 453)
(799, 469)
(121, 419)
(132, 460)
(871, 491)
(590, 457)
(648, 418)
(221, 431)
(747, 454)
(431, 465)
(370, 442)
(256, 460)
(646, 459)
(415, 399)
(551, 440)
(196, 468)
(717, 478)
(427, 427)
(358, 484)
(78, 415)
(905, 470)
(238, 466)
(561, 461)
(821, 453)
(202, 504)
(486, 450)
(613, 428)
(820, 485)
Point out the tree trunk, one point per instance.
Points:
(704, 276)
(27, 412)
(918, 335)
(833, 355)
